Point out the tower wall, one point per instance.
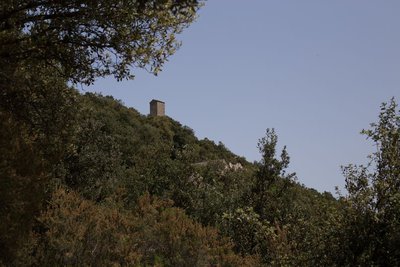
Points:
(157, 108)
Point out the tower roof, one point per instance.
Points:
(155, 100)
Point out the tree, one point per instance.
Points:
(37, 125)
(373, 224)
(85, 39)
(271, 179)
(21, 179)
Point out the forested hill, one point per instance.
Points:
(119, 149)
(134, 131)
(94, 182)
(88, 181)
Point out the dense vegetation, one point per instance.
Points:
(85, 180)
(111, 186)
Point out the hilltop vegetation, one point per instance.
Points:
(111, 186)
(108, 160)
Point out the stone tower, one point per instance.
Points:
(157, 108)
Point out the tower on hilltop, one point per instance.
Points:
(157, 108)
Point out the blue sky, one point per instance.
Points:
(316, 71)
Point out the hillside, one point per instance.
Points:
(96, 183)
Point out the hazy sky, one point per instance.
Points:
(316, 71)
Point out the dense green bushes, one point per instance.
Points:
(115, 187)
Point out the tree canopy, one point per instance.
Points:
(374, 195)
(85, 39)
